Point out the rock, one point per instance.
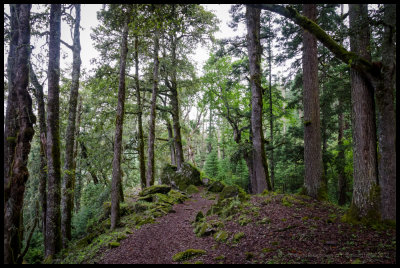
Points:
(181, 179)
(187, 254)
(113, 244)
(232, 191)
(162, 189)
(216, 187)
(191, 189)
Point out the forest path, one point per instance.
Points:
(157, 243)
(275, 228)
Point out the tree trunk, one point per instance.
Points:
(259, 176)
(271, 115)
(53, 221)
(116, 174)
(313, 181)
(171, 140)
(365, 201)
(78, 185)
(18, 174)
(342, 179)
(142, 164)
(175, 107)
(152, 123)
(387, 117)
(42, 141)
(67, 199)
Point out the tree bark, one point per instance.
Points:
(386, 116)
(363, 120)
(18, 174)
(78, 185)
(271, 114)
(38, 92)
(142, 164)
(152, 123)
(259, 177)
(342, 179)
(67, 199)
(175, 107)
(53, 221)
(171, 140)
(116, 174)
(313, 182)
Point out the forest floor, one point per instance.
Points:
(271, 228)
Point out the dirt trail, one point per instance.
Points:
(157, 243)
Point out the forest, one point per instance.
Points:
(281, 148)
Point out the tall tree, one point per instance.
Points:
(117, 174)
(386, 116)
(151, 137)
(142, 164)
(23, 118)
(68, 185)
(365, 185)
(38, 92)
(53, 221)
(259, 177)
(312, 127)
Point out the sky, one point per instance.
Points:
(89, 20)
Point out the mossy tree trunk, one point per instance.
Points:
(142, 164)
(53, 221)
(38, 92)
(259, 177)
(313, 180)
(18, 174)
(150, 159)
(68, 185)
(117, 172)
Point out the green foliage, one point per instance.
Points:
(211, 164)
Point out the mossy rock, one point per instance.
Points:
(203, 229)
(140, 206)
(113, 244)
(188, 254)
(162, 189)
(191, 189)
(178, 197)
(221, 236)
(243, 220)
(216, 187)
(168, 174)
(236, 237)
(233, 191)
(181, 179)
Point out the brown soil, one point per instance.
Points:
(305, 232)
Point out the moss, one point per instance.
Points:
(188, 254)
(113, 244)
(178, 197)
(264, 220)
(203, 229)
(216, 187)
(162, 189)
(48, 260)
(372, 216)
(221, 236)
(243, 220)
(286, 201)
(236, 238)
(199, 216)
(220, 258)
(249, 255)
(191, 189)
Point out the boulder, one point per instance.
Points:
(162, 189)
(216, 187)
(181, 179)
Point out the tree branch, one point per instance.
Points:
(355, 61)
